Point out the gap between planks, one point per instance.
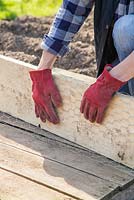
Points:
(63, 178)
(69, 166)
(49, 159)
(29, 128)
(21, 188)
(7, 119)
(43, 146)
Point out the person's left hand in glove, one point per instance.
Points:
(97, 97)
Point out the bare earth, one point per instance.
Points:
(21, 39)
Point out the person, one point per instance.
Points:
(114, 44)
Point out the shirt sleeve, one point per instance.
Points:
(66, 24)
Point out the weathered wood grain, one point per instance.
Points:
(13, 187)
(82, 160)
(127, 194)
(18, 123)
(63, 178)
(114, 138)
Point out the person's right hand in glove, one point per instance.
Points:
(45, 93)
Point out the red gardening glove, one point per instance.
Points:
(97, 97)
(45, 95)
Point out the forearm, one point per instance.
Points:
(66, 24)
(124, 71)
(47, 60)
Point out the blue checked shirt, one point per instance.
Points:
(70, 18)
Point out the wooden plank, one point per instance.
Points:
(115, 135)
(13, 121)
(82, 160)
(63, 178)
(13, 187)
(127, 194)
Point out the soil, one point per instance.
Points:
(21, 39)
